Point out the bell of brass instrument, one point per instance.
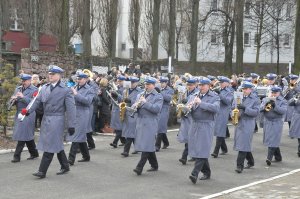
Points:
(179, 110)
(268, 107)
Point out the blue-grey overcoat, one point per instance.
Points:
(245, 127)
(185, 123)
(83, 102)
(202, 127)
(167, 94)
(273, 122)
(95, 88)
(24, 131)
(147, 122)
(57, 104)
(115, 121)
(129, 123)
(226, 98)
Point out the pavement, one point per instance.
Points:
(109, 175)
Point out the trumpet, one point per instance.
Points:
(270, 104)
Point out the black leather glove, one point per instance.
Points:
(127, 100)
(114, 94)
(71, 131)
(272, 103)
(241, 106)
(184, 101)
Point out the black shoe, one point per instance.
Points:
(193, 179)
(183, 161)
(62, 171)
(214, 155)
(165, 147)
(249, 166)
(152, 169)
(122, 144)
(71, 162)
(191, 160)
(125, 154)
(157, 149)
(268, 162)
(84, 160)
(32, 157)
(91, 148)
(238, 170)
(137, 171)
(113, 145)
(135, 152)
(15, 160)
(39, 174)
(205, 177)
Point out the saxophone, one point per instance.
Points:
(122, 106)
(235, 112)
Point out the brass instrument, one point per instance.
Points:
(179, 110)
(268, 107)
(270, 103)
(122, 106)
(12, 102)
(137, 105)
(235, 111)
(89, 73)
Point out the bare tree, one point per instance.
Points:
(64, 30)
(1, 24)
(86, 31)
(107, 25)
(155, 29)
(34, 31)
(134, 25)
(297, 40)
(239, 18)
(172, 28)
(194, 34)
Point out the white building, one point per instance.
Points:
(210, 42)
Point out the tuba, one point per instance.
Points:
(89, 73)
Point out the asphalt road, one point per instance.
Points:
(109, 175)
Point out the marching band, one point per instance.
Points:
(140, 107)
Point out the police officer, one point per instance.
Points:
(83, 95)
(57, 101)
(205, 106)
(115, 122)
(186, 121)
(167, 94)
(91, 126)
(289, 95)
(273, 123)
(248, 111)
(24, 130)
(295, 122)
(128, 129)
(149, 104)
(226, 98)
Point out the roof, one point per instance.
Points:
(21, 40)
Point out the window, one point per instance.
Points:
(16, 24)
(247, 39)
(288, 11)
(123, 46)
(286, 41)
(213, 39)
(247, 7)
(214, 4)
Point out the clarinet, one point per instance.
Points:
(138, 104)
